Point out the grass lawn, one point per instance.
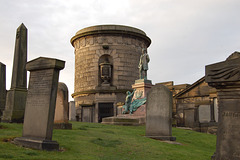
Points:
(93, 141)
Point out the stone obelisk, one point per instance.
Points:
(16, 96)
(2, 87)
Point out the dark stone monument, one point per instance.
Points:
(16, 96)
(2, 87)
(159, 113)
(225, 77)
(61, 110)
(40, 105)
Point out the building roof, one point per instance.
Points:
(190, 87)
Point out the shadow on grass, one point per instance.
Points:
(8, 139)
(6, 156)
(31, 153)
(83, 128)
(106, 142)
(108, 131)
(3, 127)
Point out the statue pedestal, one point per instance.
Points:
(138, 117)
(142, 86)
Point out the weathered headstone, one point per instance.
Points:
(159, 113)
(72, 111)
(2, 87)
(61, 110)
(188, 116)
(16, 96)
(204, 113)
(225, 77)
(40, 105)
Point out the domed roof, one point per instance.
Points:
(111, 29)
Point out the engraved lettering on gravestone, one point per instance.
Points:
(231, 130)
(231, 114)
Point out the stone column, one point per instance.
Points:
(96, 115)
(2, 87)
(212, 110)
(225, 77)
(159, 113)
(40, 105)
(16, 96)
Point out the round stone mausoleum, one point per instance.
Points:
(106, 66)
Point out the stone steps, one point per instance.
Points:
(126, 121)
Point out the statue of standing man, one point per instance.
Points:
(143, 64)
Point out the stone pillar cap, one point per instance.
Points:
(2, 64)
(226, 72)
(45, 63)
(111, 29)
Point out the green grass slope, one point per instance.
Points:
(93, 141)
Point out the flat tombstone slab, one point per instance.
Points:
(204, 113)
(159, 113)
(40, 105)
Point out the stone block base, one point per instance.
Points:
(125, 121)
(62, 126)
(15, 106)
(13, 116)
(35, 143)
(164, 138)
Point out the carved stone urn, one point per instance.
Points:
(106, 71)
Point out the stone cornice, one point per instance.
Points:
(112, 30)
(100, 91)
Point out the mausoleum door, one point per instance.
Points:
(87, 113)
(105, 110)
(188, 117)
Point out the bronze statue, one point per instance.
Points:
(143, 64)
(131, 105)
(128, 101)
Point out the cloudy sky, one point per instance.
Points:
(186, 34)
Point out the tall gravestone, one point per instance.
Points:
(16, 96)
(40, 105)
(62, 110)
(159, 113)
(2, 87)
(225, 77)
